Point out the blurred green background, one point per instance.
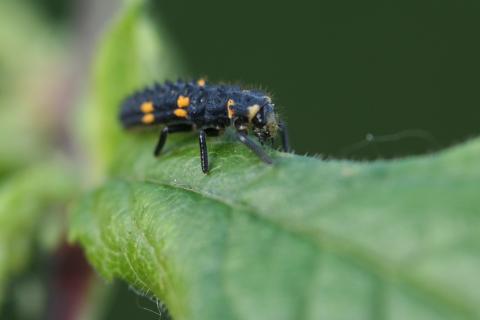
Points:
(338, 70)
(361, 80)
(342, 69)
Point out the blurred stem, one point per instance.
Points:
(71, 277)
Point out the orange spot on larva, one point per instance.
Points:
(148, 118)
(181, 113)
(147, 107)
(201, 82)
(231, 112)
(183, 102)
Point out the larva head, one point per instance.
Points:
(264, 119)
(254, 110)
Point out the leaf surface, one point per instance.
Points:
(304, 239)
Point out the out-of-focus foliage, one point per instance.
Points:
(35, 182)
(53, 10)
(30, 214)
(304, 239)
(25, 63)
(130, 58)
(341, 69)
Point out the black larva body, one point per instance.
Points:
(187, 106)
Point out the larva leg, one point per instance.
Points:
(202, 140)
(284, 137)
(164, 134)
(254, 147)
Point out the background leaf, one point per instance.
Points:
(134, 53)
(31, 203)
(35, 182)
(24, 94)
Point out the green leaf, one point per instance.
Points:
(303, 239)
(31, 203)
